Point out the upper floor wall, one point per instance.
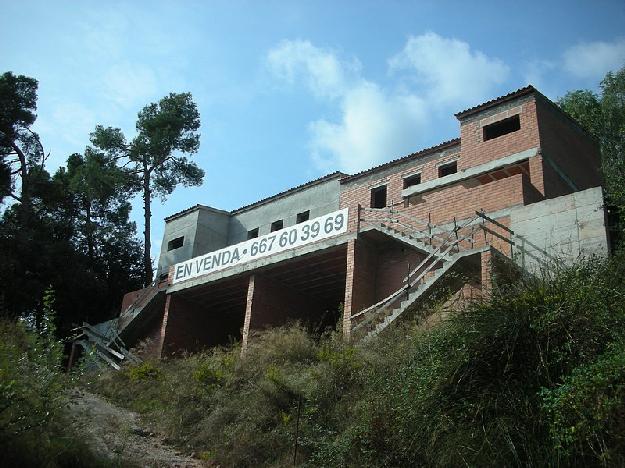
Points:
(201, 229)
(522, 137)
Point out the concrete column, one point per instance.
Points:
(486, 273)
(159, 348)
(537, 176)
(349, 287)
(248, 314)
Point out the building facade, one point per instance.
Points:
(521, 182)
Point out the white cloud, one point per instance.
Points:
(129, 84)
(592, 60)
(324, 74)
(449, 70)
(374, 128)
(67, 126)
(376, 123)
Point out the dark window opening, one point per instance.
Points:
(503, 127)
(277, 225)
(412, 180)
(447, 169)
(175, 243)
(253, 234)
(303, 216)
(378, 197)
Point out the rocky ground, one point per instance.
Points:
(118, 435)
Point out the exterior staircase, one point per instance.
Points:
(444, 250)
(143, 301)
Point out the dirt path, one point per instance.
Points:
(117, 434)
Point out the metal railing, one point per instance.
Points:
(442, 242)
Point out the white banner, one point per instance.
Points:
(305, 233)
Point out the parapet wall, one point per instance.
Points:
(560, 229)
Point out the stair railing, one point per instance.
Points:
(439, 254)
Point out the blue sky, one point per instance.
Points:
(289, 91)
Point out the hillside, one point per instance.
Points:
(533, 376)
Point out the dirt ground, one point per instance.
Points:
(118, 435)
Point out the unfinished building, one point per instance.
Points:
(361, 250)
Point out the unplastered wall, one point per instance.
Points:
(178, 227)
(560, 229)
(319, 199)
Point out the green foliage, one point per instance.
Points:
(33, 426)
(586, 412)
(144, 371)
(20, 148)
(155, 157)
(70, 230)
(603, 116)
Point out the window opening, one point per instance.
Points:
(252, 234)
(175, 243)
(378, 197)
(447, 169)
(414, 179)
(277, 225)
(503, 127)
(303, 216)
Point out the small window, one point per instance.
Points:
(412, 180)
(277, 225)
(503, 127)
(447, 169)
(175, 243)
(303, 216)
(378, 197)
(253, 234)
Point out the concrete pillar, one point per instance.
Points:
(159, 349)
(349, 288)
(248, 314)
(486, 273)
(537, 176)
(360, 281)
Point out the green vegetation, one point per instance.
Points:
(34, 429)
(533, 376)
(603, 117)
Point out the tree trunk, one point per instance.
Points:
(25, 195)
(89, 233)
(147, 245)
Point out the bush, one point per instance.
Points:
(33, 426)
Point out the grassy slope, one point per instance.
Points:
(535, 376)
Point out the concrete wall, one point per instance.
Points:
(183, 226)
(204, 229)
(319, 199)
(207, 229)
(560, 229)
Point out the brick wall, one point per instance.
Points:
(442, 205)
(570, 148)
(274, 304)
(189, 326)
(392, 268)
(475, 151)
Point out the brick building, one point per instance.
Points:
(363, 250)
